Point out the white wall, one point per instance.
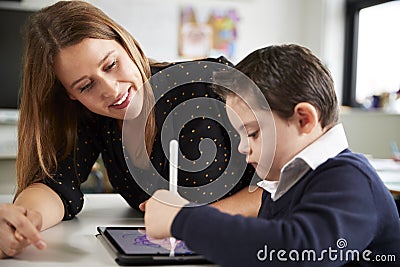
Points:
(154, 23)
(317, 24)
(371, 132)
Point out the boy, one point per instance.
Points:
(322, 204)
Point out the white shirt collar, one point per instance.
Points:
(269, 186)
(327, 146)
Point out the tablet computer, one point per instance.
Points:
(131, 246)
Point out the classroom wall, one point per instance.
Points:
(317, 24)
(371, 132)
(262, 23)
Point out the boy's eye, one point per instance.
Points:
(110, 66)
(253, 134)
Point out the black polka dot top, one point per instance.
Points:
(186, 109)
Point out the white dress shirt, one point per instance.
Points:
(327, 146)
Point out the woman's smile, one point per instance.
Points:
(123, 101)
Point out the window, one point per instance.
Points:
(372, 50)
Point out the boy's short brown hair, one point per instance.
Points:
(287, 75)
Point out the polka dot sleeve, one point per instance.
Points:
(74, 170)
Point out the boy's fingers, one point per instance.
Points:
(142, 206)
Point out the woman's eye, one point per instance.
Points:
(111, 66)
(86, 87)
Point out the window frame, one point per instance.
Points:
(352, 12)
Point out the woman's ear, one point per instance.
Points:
(71, 96)
(306, 116)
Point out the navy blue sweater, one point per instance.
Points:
(338, 214)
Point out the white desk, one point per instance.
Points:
(73, 243)
(389, 171)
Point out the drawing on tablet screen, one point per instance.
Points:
(143, 240)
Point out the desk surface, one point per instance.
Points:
(73, 243)
(389, 171)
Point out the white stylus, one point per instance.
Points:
(173, 166)
(173, 180)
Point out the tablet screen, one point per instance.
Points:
(133, 241)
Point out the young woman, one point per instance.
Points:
(82, 71)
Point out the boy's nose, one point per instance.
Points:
(244, 147)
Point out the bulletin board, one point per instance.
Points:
(166, 35)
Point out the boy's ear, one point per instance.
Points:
(306, 116)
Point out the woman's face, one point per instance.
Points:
(100, 74)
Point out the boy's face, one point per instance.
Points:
(268, 141)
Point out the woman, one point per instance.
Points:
(82, 71)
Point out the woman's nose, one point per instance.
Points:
(110, 88)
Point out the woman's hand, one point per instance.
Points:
(19, 227)
(161, 210)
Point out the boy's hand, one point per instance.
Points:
(19, 227)
(161, 210)
(142, 206)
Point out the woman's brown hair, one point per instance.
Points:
(47, 124)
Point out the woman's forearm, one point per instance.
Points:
(41, 198)
(242, 203)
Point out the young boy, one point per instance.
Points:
(321, 205)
